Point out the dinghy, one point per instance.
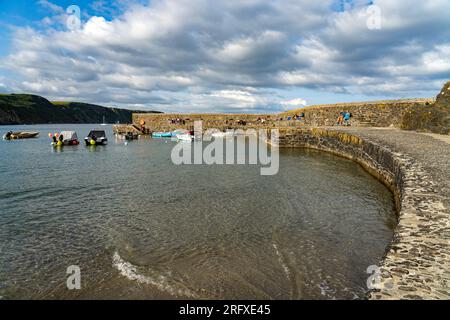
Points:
(185, 137)
(20, 135)
(162, 134)
(222, 134)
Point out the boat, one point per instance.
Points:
(131, 136)
(220, 134)
(67, 138)
(178, 132)
(20, 135)
(104, 122)
(185, 137)
(162, 134)
(96, 138)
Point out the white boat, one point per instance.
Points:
(185, 137)
(223, 134)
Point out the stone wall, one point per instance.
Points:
(417, 263)
(162, 122)
(377, 114)
(369, 114)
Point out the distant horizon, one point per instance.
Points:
(212, 112)
(224, 57)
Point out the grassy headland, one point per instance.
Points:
(32, 109)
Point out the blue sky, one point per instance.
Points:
(225, 56)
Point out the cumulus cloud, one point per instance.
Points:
(201, 55)
(294, 103)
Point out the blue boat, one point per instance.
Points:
(162, 134)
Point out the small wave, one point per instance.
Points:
(130, 271)
(282, 263)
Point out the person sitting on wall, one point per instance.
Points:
(340, 119)
(347, 117)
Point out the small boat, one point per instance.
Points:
(179, 131)
(223, 134)
(96, 138)
(185, 137)
(162, 134)
(67, 138)
(20, 135)
(131, 136)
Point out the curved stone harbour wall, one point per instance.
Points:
(417, 263)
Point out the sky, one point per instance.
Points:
(224, 56)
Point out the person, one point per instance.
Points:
(61, 138)
(54, 140)
(347, 117)
(8, 135)
(340, 119)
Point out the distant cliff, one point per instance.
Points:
(31, 109)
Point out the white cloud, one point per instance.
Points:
(203, 55)
(294, 103)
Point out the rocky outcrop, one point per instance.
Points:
(431, 118)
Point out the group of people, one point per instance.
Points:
(177, 121)
(295, 117)
(262, 120)
(344, 118)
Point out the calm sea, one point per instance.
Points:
(140, 227)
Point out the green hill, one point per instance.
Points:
(32, 109)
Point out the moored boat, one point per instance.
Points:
(96, 138)
(20, 135)
(185, 137)
(131, 136)
(162, 134)
(65, 138)
(220, 134)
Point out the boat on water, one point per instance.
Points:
(65, 138)
(20, 135)
(185, 137)
(220, 134)
(96, 138)
(162, 135)
(130, 136)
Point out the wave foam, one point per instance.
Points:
(130, 271)
(281, 261)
